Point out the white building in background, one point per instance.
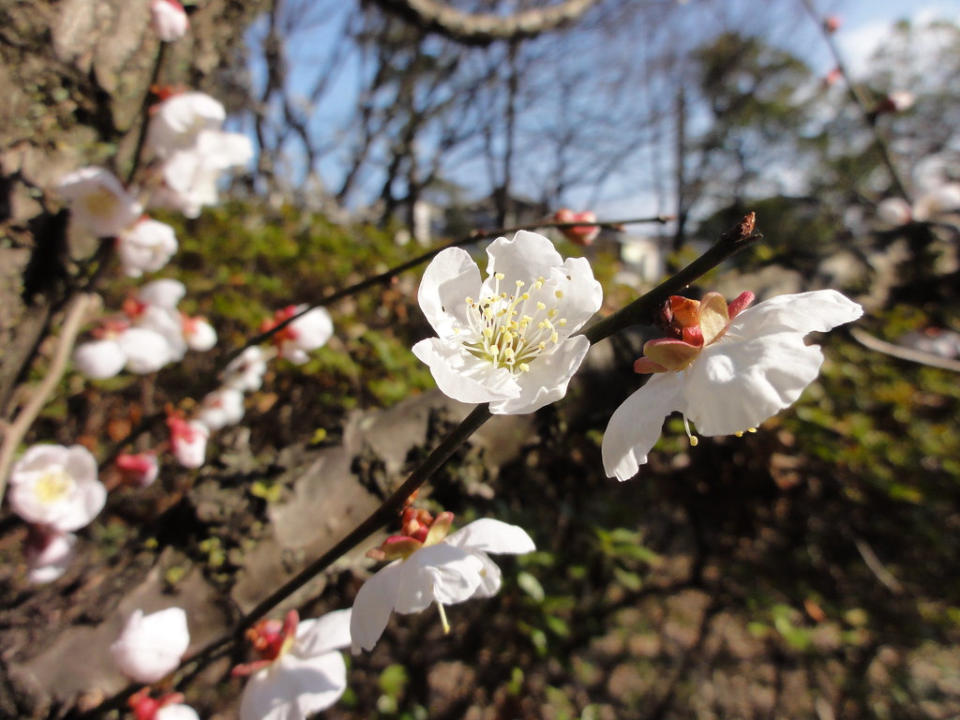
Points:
(644, 259)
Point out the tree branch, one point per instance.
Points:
(484, 29)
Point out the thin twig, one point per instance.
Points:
(145, 113)
(729, 244)
(903, 353)
(76, 314)
(869, 116)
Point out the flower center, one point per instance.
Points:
(419, 529)
(100, 203)
(510, 331)
(53, 486)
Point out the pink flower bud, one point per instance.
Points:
(832, 23)
(580, 234)
(188, 441)
(140, 469)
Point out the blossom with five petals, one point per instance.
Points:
(98, 201)
(507, 340)
(57, 487)
(308, 332)
(728, 369)
(299, 671)
(146, 246)
(150, 646)
(430, 566)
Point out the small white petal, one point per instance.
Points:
(372, 607)
(441, 573)
(294, 688)
(450, 278)
(734, 386)
(490, 577)
(146, 247)
(815, 311)
(490, 535)
(635, 426)
(547, 379)
(328, 632)
(179, 119)
(98, 201)
(463, 377)
(526, 256)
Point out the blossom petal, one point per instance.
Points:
(449, 279)
(328, 632)
(734, 386)
(526, 256)
(582, 294)
(490, 577)
(547, 379)
(144, 350)
(459, 377)
(99, 359)
(489, 535)
(635, 426)
(294, 688)
(372, 607)
(440, 572)
(815, 311)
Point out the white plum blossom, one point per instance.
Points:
(245, 372)
(164, 293)
(177, 122)
(168, 19)
(299, 671)
(49, 553)
(198, 333)
(308, 332)
(429, 567)
(188, 441)
(139, 350)
(176, 711)
(728, 368)
(190, 175)
(221, 408)
(155, 308)
(938, 203)
(57, 487)
(98, 201)
(146, 247)
(507, 340)
(150, 646)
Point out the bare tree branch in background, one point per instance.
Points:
(481, 28)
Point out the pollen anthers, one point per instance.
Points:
(53, 485)
(511, 330)
(418, 529)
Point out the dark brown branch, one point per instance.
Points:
(480, 28)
